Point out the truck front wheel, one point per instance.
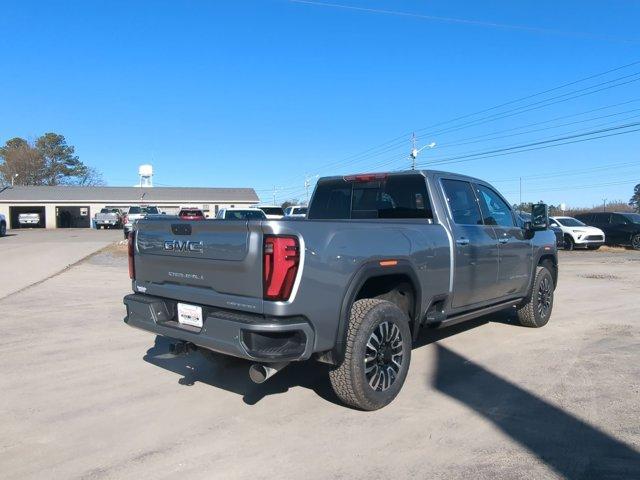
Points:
(377, 355)
(535, 311)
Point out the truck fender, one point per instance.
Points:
(369, 270)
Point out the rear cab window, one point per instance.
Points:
(371, 196)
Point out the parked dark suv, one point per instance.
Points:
(619, 228)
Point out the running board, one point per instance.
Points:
(463, 317)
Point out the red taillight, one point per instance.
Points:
(131, 248)
(281, 260)
(366, 177)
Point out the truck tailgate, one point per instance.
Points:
(211, 262)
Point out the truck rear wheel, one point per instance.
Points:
(377, 355)
(535, 311)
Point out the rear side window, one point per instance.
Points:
(462, 202)
(396, 196)
(244, 215)
(494, 210)
(272, 210)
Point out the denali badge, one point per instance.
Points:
(183, 246)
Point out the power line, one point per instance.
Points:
(539, 104)
(569, 172)
(577, 187)
(394, 143)
(460, 143)
(464, 21)
(579, 130)
(521, 148)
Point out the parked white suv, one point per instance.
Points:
(273, 212)
(296, 211)
(577, 234)
(3, 225)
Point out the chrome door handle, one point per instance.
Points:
(462, 241)
(503, 240)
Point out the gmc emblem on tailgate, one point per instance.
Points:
(183, 246)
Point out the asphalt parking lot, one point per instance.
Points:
(33, 255)
(85, 396)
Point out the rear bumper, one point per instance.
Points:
(239, 334)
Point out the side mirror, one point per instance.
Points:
(539, 217)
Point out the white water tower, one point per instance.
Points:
(145, 173)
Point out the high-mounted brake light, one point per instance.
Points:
(366, 177)
(131, 240)
(281, 260)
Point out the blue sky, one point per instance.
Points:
(260, 93)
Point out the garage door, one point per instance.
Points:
(27, 217)
(73, 216)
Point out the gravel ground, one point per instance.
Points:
(85, 396)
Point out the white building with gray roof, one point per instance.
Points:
(67, 206)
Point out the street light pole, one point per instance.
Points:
(415, 150)
(13, 177)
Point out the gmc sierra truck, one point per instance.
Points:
(378, 257)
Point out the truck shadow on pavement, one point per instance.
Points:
(571, 447)
(232, 374)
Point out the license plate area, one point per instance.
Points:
(189, 315)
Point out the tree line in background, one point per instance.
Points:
(48, 160)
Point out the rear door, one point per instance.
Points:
(475, 276)
(601, 220)
(514, 269)
(208, 262)
(619, 231)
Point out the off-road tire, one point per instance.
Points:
(349, 380)
(529, 312)
(569, 244)
(594, 247)
(635, 241)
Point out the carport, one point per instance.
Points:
(73, 216)
(14, 213)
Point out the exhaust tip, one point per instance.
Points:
(258, 373)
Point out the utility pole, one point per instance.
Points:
(604, 204)
(275, 189)
(307, 184)
(13, 177)
(415, 150)
(520, 192)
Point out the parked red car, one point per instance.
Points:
(191, 214)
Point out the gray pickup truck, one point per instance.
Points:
(378, 257)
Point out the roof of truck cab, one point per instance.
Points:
(425, 173)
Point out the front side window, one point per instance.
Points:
(462, 202)
(619, 220)
(494, 210)
(570, 222)
(633, 217)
